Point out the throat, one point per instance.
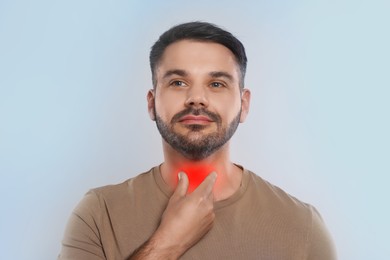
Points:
(227, 183)
(196, 173)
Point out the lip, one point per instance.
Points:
(191, 119)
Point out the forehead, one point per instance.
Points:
(197, 57)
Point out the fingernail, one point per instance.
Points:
(179, 175)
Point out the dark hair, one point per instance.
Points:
(199, 31)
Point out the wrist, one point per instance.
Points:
(166, 246)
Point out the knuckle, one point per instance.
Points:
(202, 200)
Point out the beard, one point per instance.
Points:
(203, 145)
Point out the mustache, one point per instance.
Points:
(196, 112)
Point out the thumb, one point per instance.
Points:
(182, 186)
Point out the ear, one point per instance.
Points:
(150, 99)
(245, 103)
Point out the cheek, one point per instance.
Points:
(229, 108)
(166, 109)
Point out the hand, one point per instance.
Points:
(187, 217)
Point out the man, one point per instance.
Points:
(197, 204)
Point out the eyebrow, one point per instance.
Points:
(221, 74)
(181, 73)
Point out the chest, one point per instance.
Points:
(252, 234)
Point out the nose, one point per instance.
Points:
(196, 97)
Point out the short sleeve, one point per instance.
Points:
(82, 239)
(321, 246)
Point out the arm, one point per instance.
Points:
(321, 245)
(185, 221)
(81, 239)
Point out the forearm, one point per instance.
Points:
(186, 219)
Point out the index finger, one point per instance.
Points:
(206, 187)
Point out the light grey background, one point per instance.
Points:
(74, 77)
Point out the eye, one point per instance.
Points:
(216, 85)
(177, 83)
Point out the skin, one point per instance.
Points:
(199, 75)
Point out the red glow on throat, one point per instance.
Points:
(196, 174)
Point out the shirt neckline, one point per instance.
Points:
(218, 204)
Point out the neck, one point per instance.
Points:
(228, 174)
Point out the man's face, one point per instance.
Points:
(197, 102)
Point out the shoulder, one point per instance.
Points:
(299, 217)
(114, 195)
(279, 205)
(142, 180)
(274, 196)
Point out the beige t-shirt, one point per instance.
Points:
(259, 221)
